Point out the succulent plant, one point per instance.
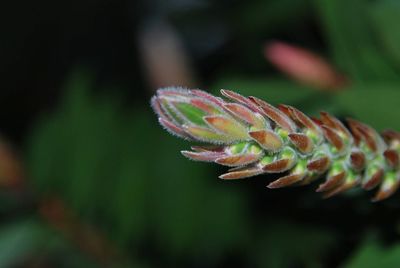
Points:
(253, 137)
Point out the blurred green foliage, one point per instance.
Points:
(372, 254)
(122, 174)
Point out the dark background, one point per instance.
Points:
(89, 178)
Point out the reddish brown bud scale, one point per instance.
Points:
(173, 129)
(340, 189)
(286, 181)
(203, 156)
(303, 143)
(332, 182)
(240, 99)
(241, 174)
(278, 166)
(383, 194)
(244, 114)
(374, 180)
(267, 139)
(357, 160)
(275, 115)
(334, 123)
(237, 160)
(319, 165)
(333, 137)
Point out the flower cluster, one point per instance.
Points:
(253, 137)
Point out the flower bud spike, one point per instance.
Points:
(253, 137)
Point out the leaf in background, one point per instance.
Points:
(19, 240)
(351, 42)
(285, 244)
(376, 104)
(260, 16)
(371, 254)
(385, 14)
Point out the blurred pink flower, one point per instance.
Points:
(304, 66)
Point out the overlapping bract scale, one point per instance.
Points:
(252, 137)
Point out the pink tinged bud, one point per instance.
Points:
(173, 129)
(203, 156)
(275, 115)
(206, 107)
(245, 115)
(206, 135)
(155, 104)
(208, 148)
(236, 97)
(267, 139)
(227, 126)
(302, 142)
(199, 93)
(286, 181)
(241, 173)
(303, 65)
